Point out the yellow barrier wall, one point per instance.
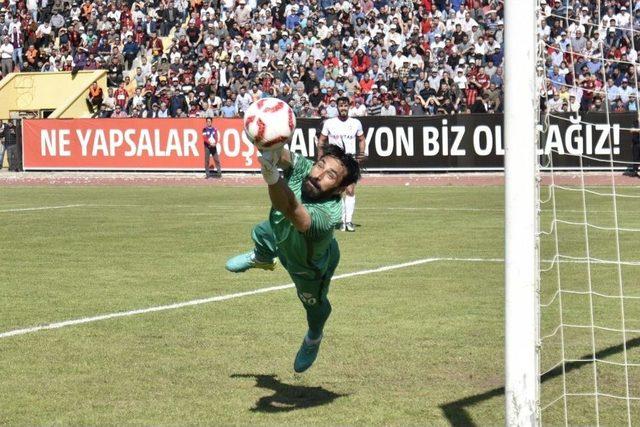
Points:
(59, 91)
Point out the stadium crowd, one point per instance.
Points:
(213, 57)
(591, 61)
(181, 58)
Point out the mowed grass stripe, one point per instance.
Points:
(80, 321)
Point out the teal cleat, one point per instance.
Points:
(306, 355)
(243, 262)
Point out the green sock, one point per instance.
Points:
(317, 316)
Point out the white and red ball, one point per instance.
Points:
(269, 123)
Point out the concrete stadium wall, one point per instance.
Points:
(60, 91)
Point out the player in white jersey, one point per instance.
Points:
(345, 132)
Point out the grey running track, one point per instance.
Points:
(236, 179)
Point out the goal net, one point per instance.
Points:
(589, 213)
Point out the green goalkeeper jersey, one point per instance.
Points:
(310, 252)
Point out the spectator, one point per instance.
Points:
(375, 108)
(130, 51)
(387, 109)
(119, 113)
(137, 100)
(460, 79)
(417, 108)
(177, 102)
(367, 84)
(494, 97)
(316, 97)
(114, 72)
(598, 106)
(121, 96)
(94, 98)
(332, 109)
(229, 109)
(625, 91)
(243, 101)
(358, 109)
(163, 111)
(6, 56)
(480, 105)
(155, 45)
(360, 63)
(11, 145)
(16, 38)
(32, 55)
(2, 144)
(632, 105)
(109, 102)
(154, 113)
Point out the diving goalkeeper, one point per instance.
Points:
(306, 206)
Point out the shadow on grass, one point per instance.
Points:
(288, 397)
(456, 411)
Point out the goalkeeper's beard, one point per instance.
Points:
(311, 190)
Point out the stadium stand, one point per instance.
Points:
(179, 58)
(589, 47)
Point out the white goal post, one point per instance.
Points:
(572, 264)
(521, 213)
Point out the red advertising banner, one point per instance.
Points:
(132, 144)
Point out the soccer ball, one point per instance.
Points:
(269, 123)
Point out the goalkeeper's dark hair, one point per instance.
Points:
(349, 162)
(343, 99)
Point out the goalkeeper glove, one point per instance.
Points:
(269, 165)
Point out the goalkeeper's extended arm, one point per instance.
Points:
(282, 198)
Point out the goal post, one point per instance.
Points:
(572, 267)
(521, 215)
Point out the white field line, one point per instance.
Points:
(231, 207)
(366, 208)
(83, 320)
(41, 208)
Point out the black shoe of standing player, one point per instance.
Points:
(631, 173)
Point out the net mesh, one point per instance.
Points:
(590, 218)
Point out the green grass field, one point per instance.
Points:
(417, 344)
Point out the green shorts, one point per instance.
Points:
(312, 286)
